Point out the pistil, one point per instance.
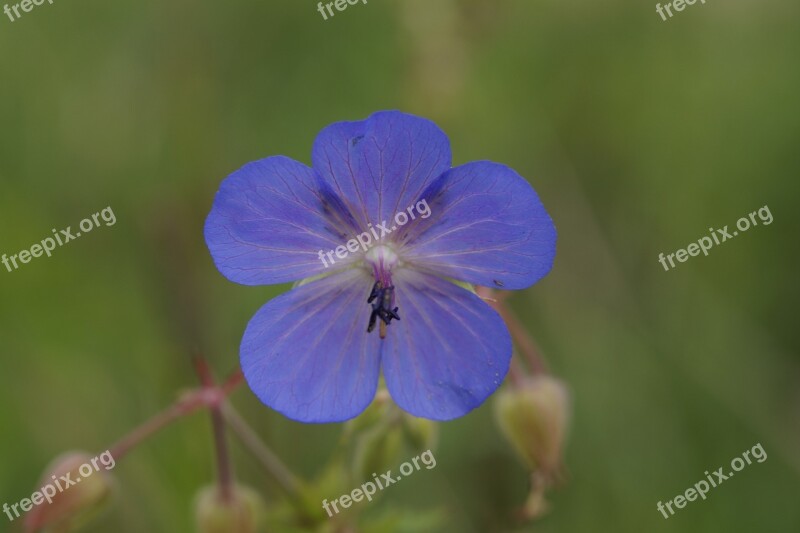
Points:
(382, 259)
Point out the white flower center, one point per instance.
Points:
(381, 257)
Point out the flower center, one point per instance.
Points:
(382, 259)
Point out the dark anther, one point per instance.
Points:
(374, 293)
(381, 299)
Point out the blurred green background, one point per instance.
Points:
(638, 135)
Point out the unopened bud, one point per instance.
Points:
(242, 512)
(534, 417)
(74, 489)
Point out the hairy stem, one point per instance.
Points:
(183, 406)
(224, 469)
(516, 373)
(271, 463)
(525, 343)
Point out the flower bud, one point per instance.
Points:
(242, 513)
(74, 489)
(534, 417)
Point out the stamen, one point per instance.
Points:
(382, 259)
(383, 298)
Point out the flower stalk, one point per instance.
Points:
(266, 457)
(187, 404)
(522, 339)
(224, 470)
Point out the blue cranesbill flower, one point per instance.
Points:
(315, 353)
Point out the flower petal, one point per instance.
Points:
(381, 165)
(268, 223)
(306, 353)
(449, 351)
(488, 227)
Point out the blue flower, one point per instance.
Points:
(313, 353)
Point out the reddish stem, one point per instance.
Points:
(233, 381)
(516, 373)
(187, 404)
(525, 343)
(224, 469)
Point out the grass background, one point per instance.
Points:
(638, 135)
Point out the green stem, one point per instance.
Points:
(271, 463)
